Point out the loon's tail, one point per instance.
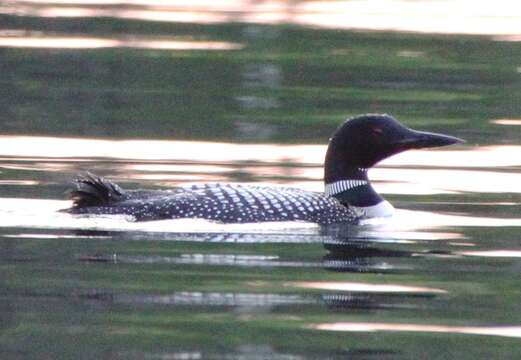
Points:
(92, 190)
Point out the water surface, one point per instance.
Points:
(111, 89)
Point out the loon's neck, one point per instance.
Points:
(354, 189)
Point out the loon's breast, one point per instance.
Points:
(229, 203)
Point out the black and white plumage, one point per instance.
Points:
(357, 145)
(228, 203)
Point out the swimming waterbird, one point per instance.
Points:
(356, 146)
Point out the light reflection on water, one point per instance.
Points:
(461, 16)
(508, 331)
(219, 153)
(418, 172)
(358, 287)
(42, 41)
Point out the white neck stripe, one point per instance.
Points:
(343, 185)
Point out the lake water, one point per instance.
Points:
(155, 95)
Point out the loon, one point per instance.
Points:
(357, 145)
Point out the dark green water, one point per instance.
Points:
(441, 280)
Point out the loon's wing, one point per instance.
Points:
(253, 203)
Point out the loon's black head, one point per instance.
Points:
(361, 142)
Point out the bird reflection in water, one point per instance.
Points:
(349, 248)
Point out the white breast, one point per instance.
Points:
(382, 209)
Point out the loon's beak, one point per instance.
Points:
(422, 139)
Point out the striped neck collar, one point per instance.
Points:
(354, 191)
(359, 195)
(343, 185)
